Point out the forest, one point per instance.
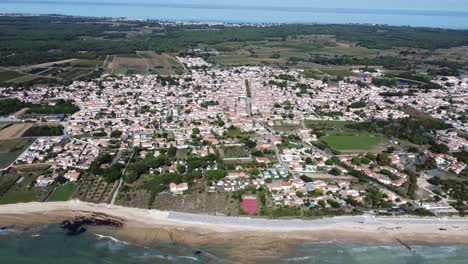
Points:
(31, 40)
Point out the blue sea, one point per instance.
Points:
(49, 245)
(426, 13)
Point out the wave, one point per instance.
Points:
(297, 259)
(111, 238)
(171, 258)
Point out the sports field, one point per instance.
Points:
(354, 142)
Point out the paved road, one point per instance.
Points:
(277, 152)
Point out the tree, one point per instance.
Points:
(180, 168)
(384, 159)
(335, 172)
(257, 153)
(250, 143)
(255, 171)
(333, 203)
(215, 175)
(172, 151)
(116, 133)
(196, 174)
(322, 203)
(439, 148)
(195, 131)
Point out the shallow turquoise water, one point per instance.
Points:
(49, 245)
(414, 13)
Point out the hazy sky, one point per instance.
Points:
(455, 5)
(446, 5)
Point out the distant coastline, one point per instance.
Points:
(243, 14)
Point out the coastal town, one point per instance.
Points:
(251, 132)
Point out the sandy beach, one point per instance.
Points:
(259, 237)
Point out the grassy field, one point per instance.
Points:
(9, 75)
(313, 123)
(120, 70)
(87, 63)
(63, 192)
(235, 152)
(11, 149)
(23, 191)
(354, 142)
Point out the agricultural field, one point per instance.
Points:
(7, 179)
(144, 62)
(63, 192)
(9, 75)
(24, 189)
(121, 64)
(197, 200)
(285, 127)
(234, 152)
(280, 52)
(14, 131)
(354, 142)
(11, 149)
(87, 63)
(4, 125)
(92, 188)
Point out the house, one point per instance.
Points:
(72, 176)
(178, 188)
(263, 160)
(43, 181)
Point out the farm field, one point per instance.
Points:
(63, 192)
(354, 142)
(87, 63)
(4, 125)
(9, 75)
(24, 190)
(14, 131)
(144, 62)
(234, 152)
(11, 149)
(122, 63)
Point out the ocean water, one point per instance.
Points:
(427, 13)
(49, 245)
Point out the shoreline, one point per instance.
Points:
(231, 22)
(56, 212)
(260, 238)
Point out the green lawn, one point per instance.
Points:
(354, 142)
(63, 192)
(9, 75)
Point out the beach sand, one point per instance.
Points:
(245, 242)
